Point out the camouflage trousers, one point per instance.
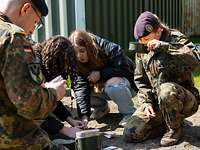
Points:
(121, 93)
(52, 147)
(36, 147)
(36, 140)
(174, 104)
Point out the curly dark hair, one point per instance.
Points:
(55, 55)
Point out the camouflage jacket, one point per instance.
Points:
(173, 62)
(22, 99)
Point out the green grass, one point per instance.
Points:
(195, 39)
(196, 77)
(196, 73)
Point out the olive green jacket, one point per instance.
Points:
(172, 62)
(22, 100)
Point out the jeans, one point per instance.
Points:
(120, 92)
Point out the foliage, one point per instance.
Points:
(68, 88)
(196, 77)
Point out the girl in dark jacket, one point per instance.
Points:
(101, 62)
(53, 56)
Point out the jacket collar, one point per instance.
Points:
(3, 17)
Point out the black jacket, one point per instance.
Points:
(52, 125)
(117, 65)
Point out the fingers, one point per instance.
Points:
(79, 124)
(63, 83)
(94, 76)
(153, 44)
(90, 78)
(85, 121)
(150, 112)
(55, 84)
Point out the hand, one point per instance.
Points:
(94, 76)
(149, 111)
(85, 121)
(154, 44)
(59, 85)
(114, 80)
(75, 123)
(78, 124)
(70, 132)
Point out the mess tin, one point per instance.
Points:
(89, 140)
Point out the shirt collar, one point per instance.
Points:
(3, 17)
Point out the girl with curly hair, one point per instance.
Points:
(54, 56)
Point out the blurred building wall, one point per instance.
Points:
(191, 17)
(114, 19)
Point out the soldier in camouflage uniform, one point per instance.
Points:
(23, 100)
(163, 76)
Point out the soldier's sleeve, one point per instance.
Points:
(181, 47)
(196, 52)
(141, 80)
(184, 52)
(22, 77)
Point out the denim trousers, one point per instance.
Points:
(121, 93)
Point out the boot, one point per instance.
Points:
(172, 137)
(99, 112)
(124, 120)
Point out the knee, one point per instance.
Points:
(111, 89)
(117, 88)
(136, 129)
(166, 92)
(117, 84)
(132, 135)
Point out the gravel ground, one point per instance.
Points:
(109, 124)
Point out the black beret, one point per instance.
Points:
(41, 6)
(145, 24)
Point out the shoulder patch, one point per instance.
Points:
(36, 73)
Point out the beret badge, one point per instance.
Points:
(149, 28)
